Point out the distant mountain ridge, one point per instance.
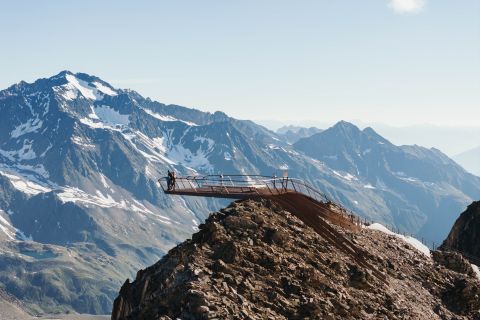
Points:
(79, 160)
(292, 134)
(409, 178)
(470, 160)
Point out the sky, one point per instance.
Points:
(397, 62)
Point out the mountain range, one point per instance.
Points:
(80, 208)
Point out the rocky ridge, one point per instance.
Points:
(253, 260)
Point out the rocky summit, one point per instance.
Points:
(254, 260)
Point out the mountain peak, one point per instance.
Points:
(345, 125)
(220, 116)
(61, 74)
(73, 84)
(348, 131)
(65, 74)
(67, 84)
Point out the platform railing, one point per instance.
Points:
(248, 182)
(254, 184)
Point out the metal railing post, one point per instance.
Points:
(269, 190)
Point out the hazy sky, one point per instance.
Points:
(392, 61)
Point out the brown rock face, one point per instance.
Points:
(254, 260)
(465, 234)
(453, 261)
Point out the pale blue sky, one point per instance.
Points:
(262, 59)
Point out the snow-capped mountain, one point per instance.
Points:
(80, 209)
(78, 167)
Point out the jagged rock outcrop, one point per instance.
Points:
(465, 234)
(453, 261)
(254, 260)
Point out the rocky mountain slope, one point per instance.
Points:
(254, 260)
(80, 208)
(10, 308)
(465, 234)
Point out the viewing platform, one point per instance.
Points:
(292, 194)
(239, 186)
(311, 206)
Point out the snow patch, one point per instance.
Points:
(476, 270)
(50, 146)
(105, 184)
(82, 86)
(22, 236)
(81, 142)
(410, 240)
(75, 195)
(409, 179)
(194, 160)
(94, 124)
(166, 118)
(36, 175)
(273, 147)
(38, 169)
(104, 89)
(72, 194)
(32, 125)
(7, 228)
(25, 153)
(10, 231)
(110, 116)
(25, 186)
(92, 91)
(152, 149)
(348, 176)
(105, 117)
